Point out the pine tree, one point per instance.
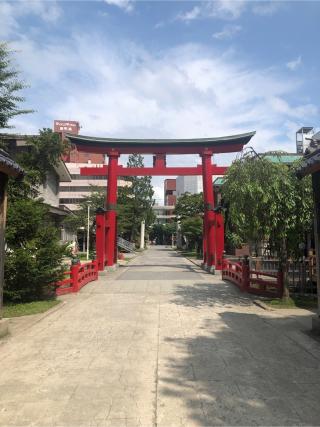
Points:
(10, 87)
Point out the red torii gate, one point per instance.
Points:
(213, 229)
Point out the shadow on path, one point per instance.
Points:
(210, 295)
(234, 367)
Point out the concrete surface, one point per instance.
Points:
(149, 345)
(4, 327)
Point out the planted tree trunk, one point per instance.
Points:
(284, 269)
(3, 210)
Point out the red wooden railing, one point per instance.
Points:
(235, 272)
(253, 281)
(77, 277)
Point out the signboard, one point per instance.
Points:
(66, 126)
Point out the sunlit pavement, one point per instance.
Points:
(161, 343)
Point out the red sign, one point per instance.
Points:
(66, 126)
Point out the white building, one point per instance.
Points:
(303, 138)
(71, 193)
(189, 184)
(164, 214)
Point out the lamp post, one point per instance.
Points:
(88, 231)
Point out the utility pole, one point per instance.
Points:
(143, 226)
(88, 232)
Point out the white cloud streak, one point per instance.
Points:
(221, 9)
(228, 9)
(126, 5)
(228, 32)
(294, 64)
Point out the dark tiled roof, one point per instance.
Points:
(9, 166)
(309, 164)
(110, 142)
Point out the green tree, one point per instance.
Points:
(267, 203)
(189, 205)
(10, 88)
(33, 251)
(191, 228)
(135, 202)
(189, 211)
(162, 233)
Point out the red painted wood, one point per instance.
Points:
(100, 239)
(252, 281)
(110, 205)
(209, 215)
(155, 171)
(80, 275)
(219, 240)
(75, 277)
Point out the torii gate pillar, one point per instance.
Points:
(111, 205)
(209, 215)
(100, 237)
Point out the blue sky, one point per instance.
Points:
(169, 68)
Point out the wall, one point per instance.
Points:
(50, 190)
(190, 184)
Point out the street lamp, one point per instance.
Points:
(88, 231)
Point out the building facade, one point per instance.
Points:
(188, 184)
(169, 197)
(49, 191)
(73, 192)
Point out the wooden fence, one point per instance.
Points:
(77, 277)
(253, 281)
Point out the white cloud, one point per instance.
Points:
(189, 91)
(229, 9)
(266, 8)
(228, 32)
(191, 14)
(221, 9)
(126, 5)
(294, 64)
(11, 12)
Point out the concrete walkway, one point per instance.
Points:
(160, 343)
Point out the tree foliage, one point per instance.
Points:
(189, 205)
(33, 255)
(266, 202)
(189, 211)
(162, 233)
(33, 251)
(10, 88)
(191, 228)
(135, 202)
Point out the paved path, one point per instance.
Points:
(159, 343)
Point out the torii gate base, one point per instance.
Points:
(106, 219)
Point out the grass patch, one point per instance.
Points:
(295, 301)
(17, 310)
